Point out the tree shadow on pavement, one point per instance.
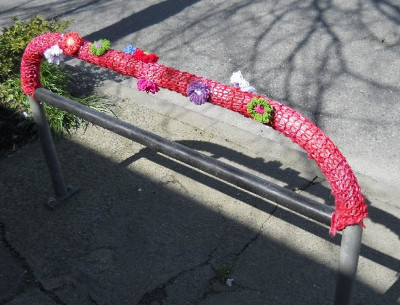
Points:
(147, 17)
(131, 238)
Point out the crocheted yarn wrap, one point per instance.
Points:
(350, 204)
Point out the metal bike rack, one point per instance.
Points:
(351, 235)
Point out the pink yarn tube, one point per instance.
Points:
(349, 202)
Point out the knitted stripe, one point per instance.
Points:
(349, 201)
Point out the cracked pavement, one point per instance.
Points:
(145, 229)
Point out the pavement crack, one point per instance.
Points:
(253, 239)
(159, 294)
(92, 300)
(218, 283)
(171, 179)
(307, 185)
(29, 275)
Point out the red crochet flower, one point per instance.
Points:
(145, 56)
(70, 43)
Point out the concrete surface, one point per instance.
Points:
(337, 62)
(145, 229)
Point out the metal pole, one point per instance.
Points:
(62, 191)
(287, 198)
(348, 261)
(351, 236)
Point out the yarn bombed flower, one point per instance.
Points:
(70, 43)
(54, 55)
(238, 81)
(130, 49)
(99, 47)
(198, 92)
(144, 84)
(260, 110)
(145, 56)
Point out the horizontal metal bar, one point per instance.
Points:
(287, 198)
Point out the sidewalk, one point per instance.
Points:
(147, 230)
(335, 62)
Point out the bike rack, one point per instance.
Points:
(350, 205)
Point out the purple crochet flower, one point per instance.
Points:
(198, 92)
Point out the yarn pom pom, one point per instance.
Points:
(54, 55)
(130, 49)
(70, 43)
(238, 81)
(145, 85)
(145, 56)
(99, 47)
(260, 110)
(198, 92)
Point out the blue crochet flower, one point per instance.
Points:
(130, 49)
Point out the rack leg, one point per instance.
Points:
(61, 189)
(348, 261)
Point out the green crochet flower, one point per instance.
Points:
(99, 47)
(260, 110)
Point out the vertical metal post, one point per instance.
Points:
(348, 261)
(62, 191)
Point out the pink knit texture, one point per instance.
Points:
(350, 205)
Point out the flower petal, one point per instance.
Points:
(198, 92)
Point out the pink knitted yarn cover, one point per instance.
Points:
(350, 205)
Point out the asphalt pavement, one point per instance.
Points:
(145, 229)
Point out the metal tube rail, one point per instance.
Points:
(350, 205)
(289, 199)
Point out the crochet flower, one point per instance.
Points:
(99, 47)
(260, 110)
(54, 55)
(144, 84)
(70, 43)
(198, 92)
(130, 49)
(238, 81)
(145, 56)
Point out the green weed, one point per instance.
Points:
(13, 41)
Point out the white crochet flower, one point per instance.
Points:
(238, 81)
(54, 54)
